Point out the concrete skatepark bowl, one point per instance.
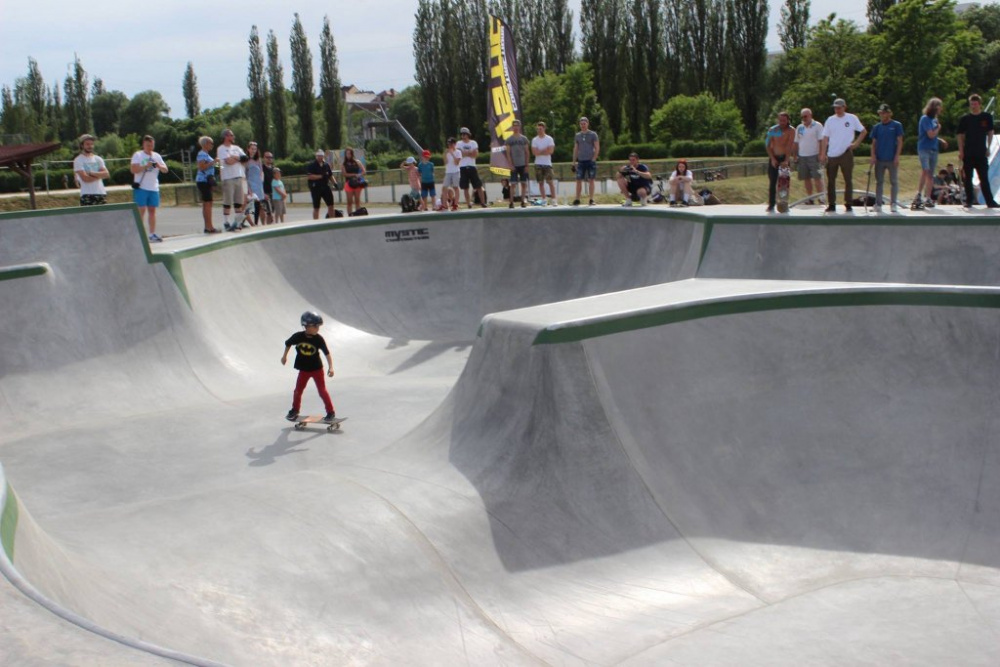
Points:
(576, 437)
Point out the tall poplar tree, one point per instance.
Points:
(746, 36)
(329, 89)
(192, 105)
(78, 119)
(303, 90)
(558, 19)
(877, 10)
(428, 62)
(279, 102)
(794, 26)
(257, 84)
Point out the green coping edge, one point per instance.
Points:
(23, 271)
(669, 315)
(8, 523)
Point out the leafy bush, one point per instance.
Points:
(684, 148)
(700, 118)
(650, 151)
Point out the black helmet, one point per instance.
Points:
(311, 317)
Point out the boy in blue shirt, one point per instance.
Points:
(887, 145)
(427, 189)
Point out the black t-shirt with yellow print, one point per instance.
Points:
(307, 350)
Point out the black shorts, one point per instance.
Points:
(469, 175)
(518, 174)
(636, 183)
(326, 194)
(204, 191)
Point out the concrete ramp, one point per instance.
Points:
(562, 449)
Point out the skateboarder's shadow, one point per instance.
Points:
(280, 447)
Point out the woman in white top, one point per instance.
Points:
(680, 184)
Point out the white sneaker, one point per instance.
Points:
(893, 208)
(878, 209)
(553, 202)
(642, 202)
(627, 203)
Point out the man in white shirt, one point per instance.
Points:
(542, 147)
(231, 159)
(468, 174)
(842, 133)
(90, 172)
(146, 167)
(808, 136)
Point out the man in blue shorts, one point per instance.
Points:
(586, 151)
(147, 165)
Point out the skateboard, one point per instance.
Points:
(784, 185)
(301, 422)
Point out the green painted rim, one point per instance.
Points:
(8, 523)
(570, 333)
(23, 271)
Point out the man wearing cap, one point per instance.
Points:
(887, 145)
(780, 142)
(842, 133)
(90, 173)
(542, 147)
(586, 151)
(231, 160)
(468, 174)
(808, 136)
(516, 148)
(975, 135)
(320, 177)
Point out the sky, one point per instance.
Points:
(136, 46)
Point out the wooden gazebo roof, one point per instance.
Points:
(19, 159)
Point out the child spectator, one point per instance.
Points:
(427, 189)
(308, 344)
(410, 166)
(278, 196)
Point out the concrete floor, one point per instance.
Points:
(574, 437)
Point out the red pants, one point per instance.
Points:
(319, 377)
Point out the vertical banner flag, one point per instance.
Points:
(503, 103)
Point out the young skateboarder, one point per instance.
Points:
(308, 344)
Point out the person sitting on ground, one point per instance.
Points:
(680, 184)
(635, 181)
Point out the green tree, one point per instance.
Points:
(277, 95)
(405, 108)
(794, 27)
(54, 117)
(746, 37)
(303, 89)
(106, 109)
(257, 85)
(698, 118)
(837, 61)
(923, 50)
(329, 89)
(97, 88)
(877, 9)
(77, 102)
(142, 112)
(429, 63)
(558, 20)
(700, 57)
(190, 86)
